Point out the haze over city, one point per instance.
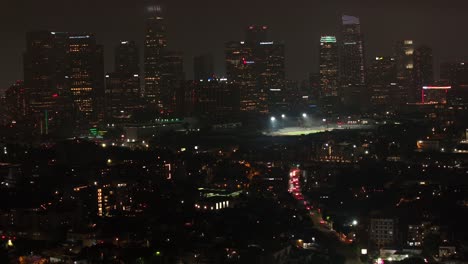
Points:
(198, 27)
(237, 132)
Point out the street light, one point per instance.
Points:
(304, 115)
(273, 119)
(283, 116)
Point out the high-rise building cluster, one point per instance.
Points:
(349, 84)
(257, 66)
(65, 84)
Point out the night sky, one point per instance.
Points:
(201, 26)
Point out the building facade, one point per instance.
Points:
(383, 231)
(382, 82)
(154, 47)
(329, 66)
(257, 65)
(123, 93)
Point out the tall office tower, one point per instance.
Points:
(382, 82)
(86, 76)
(61, 64)
(45, 65)
(172, 75)
(404, 57)
(155, 44)
(256, 34)
(353, 94)
(240, 68)
(352, 52)
(127, 58)
(123, 85)
(16, 102)
(271, 75)
(329, 66)
(258, 67)
(423, 71)
(203, 67)
(39, 71)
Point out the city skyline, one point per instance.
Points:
(234, 132)
(312, 21)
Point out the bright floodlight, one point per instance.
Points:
(355, 222)
(273, 119)
(283, 116)
(304, 115)
(324, 120)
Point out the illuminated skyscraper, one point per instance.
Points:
(270, 67)
(240, 69)
(127, 58)
(353, 94)
(155, 44)
(404, 54)
(86, 76)
(329, 66)
(62, 72)
(352, 52)
(258, 67)
(382, 82)
(404, 57)
(123, 85)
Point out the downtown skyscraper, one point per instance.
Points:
(329, 66)
(64, 75)
(86, 76)
(352, 52)
(44, 69)
(423, 72)
(382, 82)
(328, 76)
(257, 65)
(414, 69)
(352, 65)
(123, 85)
(240, 69)
(163, 67)
(154, 48)
(404, 58)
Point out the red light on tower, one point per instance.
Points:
(55, 95)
